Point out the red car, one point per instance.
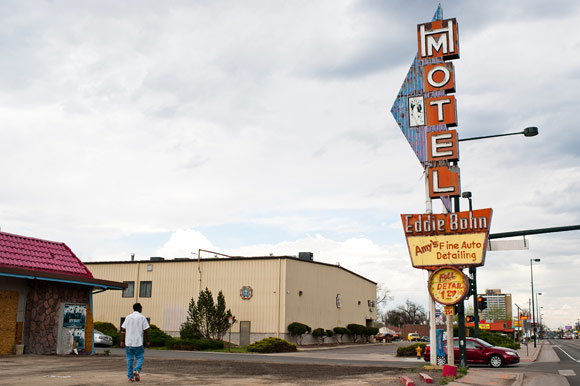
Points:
(480, 352)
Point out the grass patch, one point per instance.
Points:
(446, 380)
(234, 349)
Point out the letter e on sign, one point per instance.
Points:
(442, 145)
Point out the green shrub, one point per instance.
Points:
(356, 331)
(297, 330)
(410, 351)
(319, 333)
(492, 338)
(158, 338)
(329, 333)
(370, 331)
(269, 345)
(498, 340)
(196, 344)
(188, 331)
(339, 332)
(109, 329)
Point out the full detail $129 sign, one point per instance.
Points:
(448, 285)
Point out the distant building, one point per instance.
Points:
(499, 306)
(265, 294)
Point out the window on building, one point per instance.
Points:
(145, 289)
(129, 291)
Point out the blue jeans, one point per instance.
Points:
(137, 352)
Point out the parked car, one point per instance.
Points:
(102, 339)
(480, 352)
(386, 337)
(425, 339)
(413, 336)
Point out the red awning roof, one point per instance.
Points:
(39, 255)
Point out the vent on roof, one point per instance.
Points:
(308, 256)
(182, 258)
(156, 258)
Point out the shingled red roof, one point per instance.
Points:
(39, 255)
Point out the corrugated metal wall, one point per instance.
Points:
(320, 285)
(275, 300)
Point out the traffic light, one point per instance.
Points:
(481, 303)
(471, 287)
(469, 319)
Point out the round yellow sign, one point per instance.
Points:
(448, 285)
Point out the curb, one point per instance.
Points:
(519, 380)
(537, 352)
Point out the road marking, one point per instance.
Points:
(570, 356)
(567, 373)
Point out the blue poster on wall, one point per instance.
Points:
(74, 319)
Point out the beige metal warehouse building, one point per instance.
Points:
(265, 294)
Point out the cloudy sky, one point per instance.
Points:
(258, 127)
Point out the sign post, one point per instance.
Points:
(231, 322)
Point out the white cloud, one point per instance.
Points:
(185, 243)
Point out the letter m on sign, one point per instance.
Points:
(438, 39)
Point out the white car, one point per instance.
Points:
(101, 339)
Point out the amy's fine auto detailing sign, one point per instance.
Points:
(456, 239)
(448, 285)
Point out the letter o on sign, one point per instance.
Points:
(446, 76)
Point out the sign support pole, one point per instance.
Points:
(432, 321)
(432, 333)
(450, 350)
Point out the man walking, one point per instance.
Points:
(133, 333)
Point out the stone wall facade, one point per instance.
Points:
(42, 313)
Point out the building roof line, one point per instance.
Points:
(63, 278)
(235, 258)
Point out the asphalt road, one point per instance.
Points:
(569, 353)
(558, 365)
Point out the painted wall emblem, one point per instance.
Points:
(246, 292)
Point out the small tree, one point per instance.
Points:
(339, 332)
(205, 318)
(329, 333)
(298, 330)
(356, 331)
(221, 318)
(370, 332)
(319, 333)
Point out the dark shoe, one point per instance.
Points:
(136, 375)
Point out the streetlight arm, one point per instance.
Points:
(486, 136)
(528, 132)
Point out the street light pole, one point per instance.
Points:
(533, 309)
(538, 312)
